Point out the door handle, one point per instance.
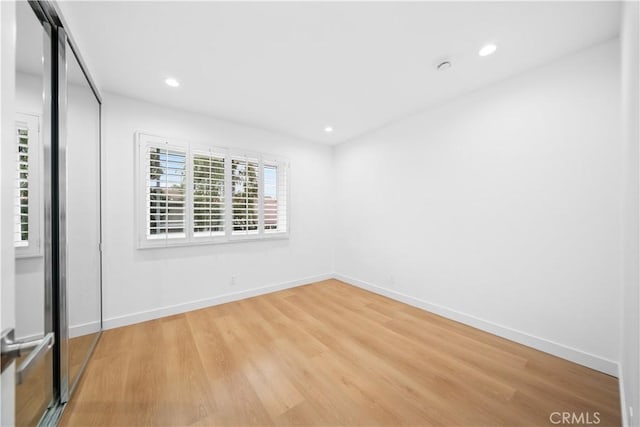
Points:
(12, 349)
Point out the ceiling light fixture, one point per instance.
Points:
(487, 49)
(328, 129)
(172, 82)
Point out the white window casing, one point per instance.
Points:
(162, 196)
(189, 194)
(276, 198)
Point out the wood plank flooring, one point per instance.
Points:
(327, 354)
(35, 393)
(78, 351)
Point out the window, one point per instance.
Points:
(27, 186)
(275, 197)
(165, 192)
(190, 194)
(208, 194)
(245, 206)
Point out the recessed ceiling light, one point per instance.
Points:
(487, 49)
(328, 129)
(172, 82)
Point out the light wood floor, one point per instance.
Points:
(79, 348)
(327, 354)
(35, 393)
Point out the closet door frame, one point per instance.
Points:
(49, 12)
(61, 207)
(67, 51)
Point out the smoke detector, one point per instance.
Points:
(444, 65)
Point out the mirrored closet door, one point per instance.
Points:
(57, 222)
(82, 137)
(34, 392)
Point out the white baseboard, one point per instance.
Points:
(623, 400)
(143, 316)
(84, 329)
(583, 358)
(592, 361)
(74, 331)
(29, 337)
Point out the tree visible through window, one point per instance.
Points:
(195, 193)
(244, 179)
(208, 194)
(166, 192)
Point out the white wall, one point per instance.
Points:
(630, 344)
(140, 284)
(500, 208)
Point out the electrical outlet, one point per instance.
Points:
(233, 280)
(631, 411)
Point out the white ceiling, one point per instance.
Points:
(30, 43)
(295, 67)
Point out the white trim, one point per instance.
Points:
(84, 329)
(143, 316)
(623, 399)
(220, 240)
(589, 360)
(30, 337)
(143, 140)
(261, 198)
(74, 331)
(282, 195)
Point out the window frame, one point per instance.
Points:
(282, 173)
(34, 247)
(234, 155)
(193, 149)
(145, 139)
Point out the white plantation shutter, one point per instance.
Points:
(21, 228)
(165, 190)
(199, 194)
(208, 197)
(245, 177)
(274, 197)
(27, 186)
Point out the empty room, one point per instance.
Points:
(319, 213)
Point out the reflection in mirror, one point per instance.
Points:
(83, 216)
(34, 395)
